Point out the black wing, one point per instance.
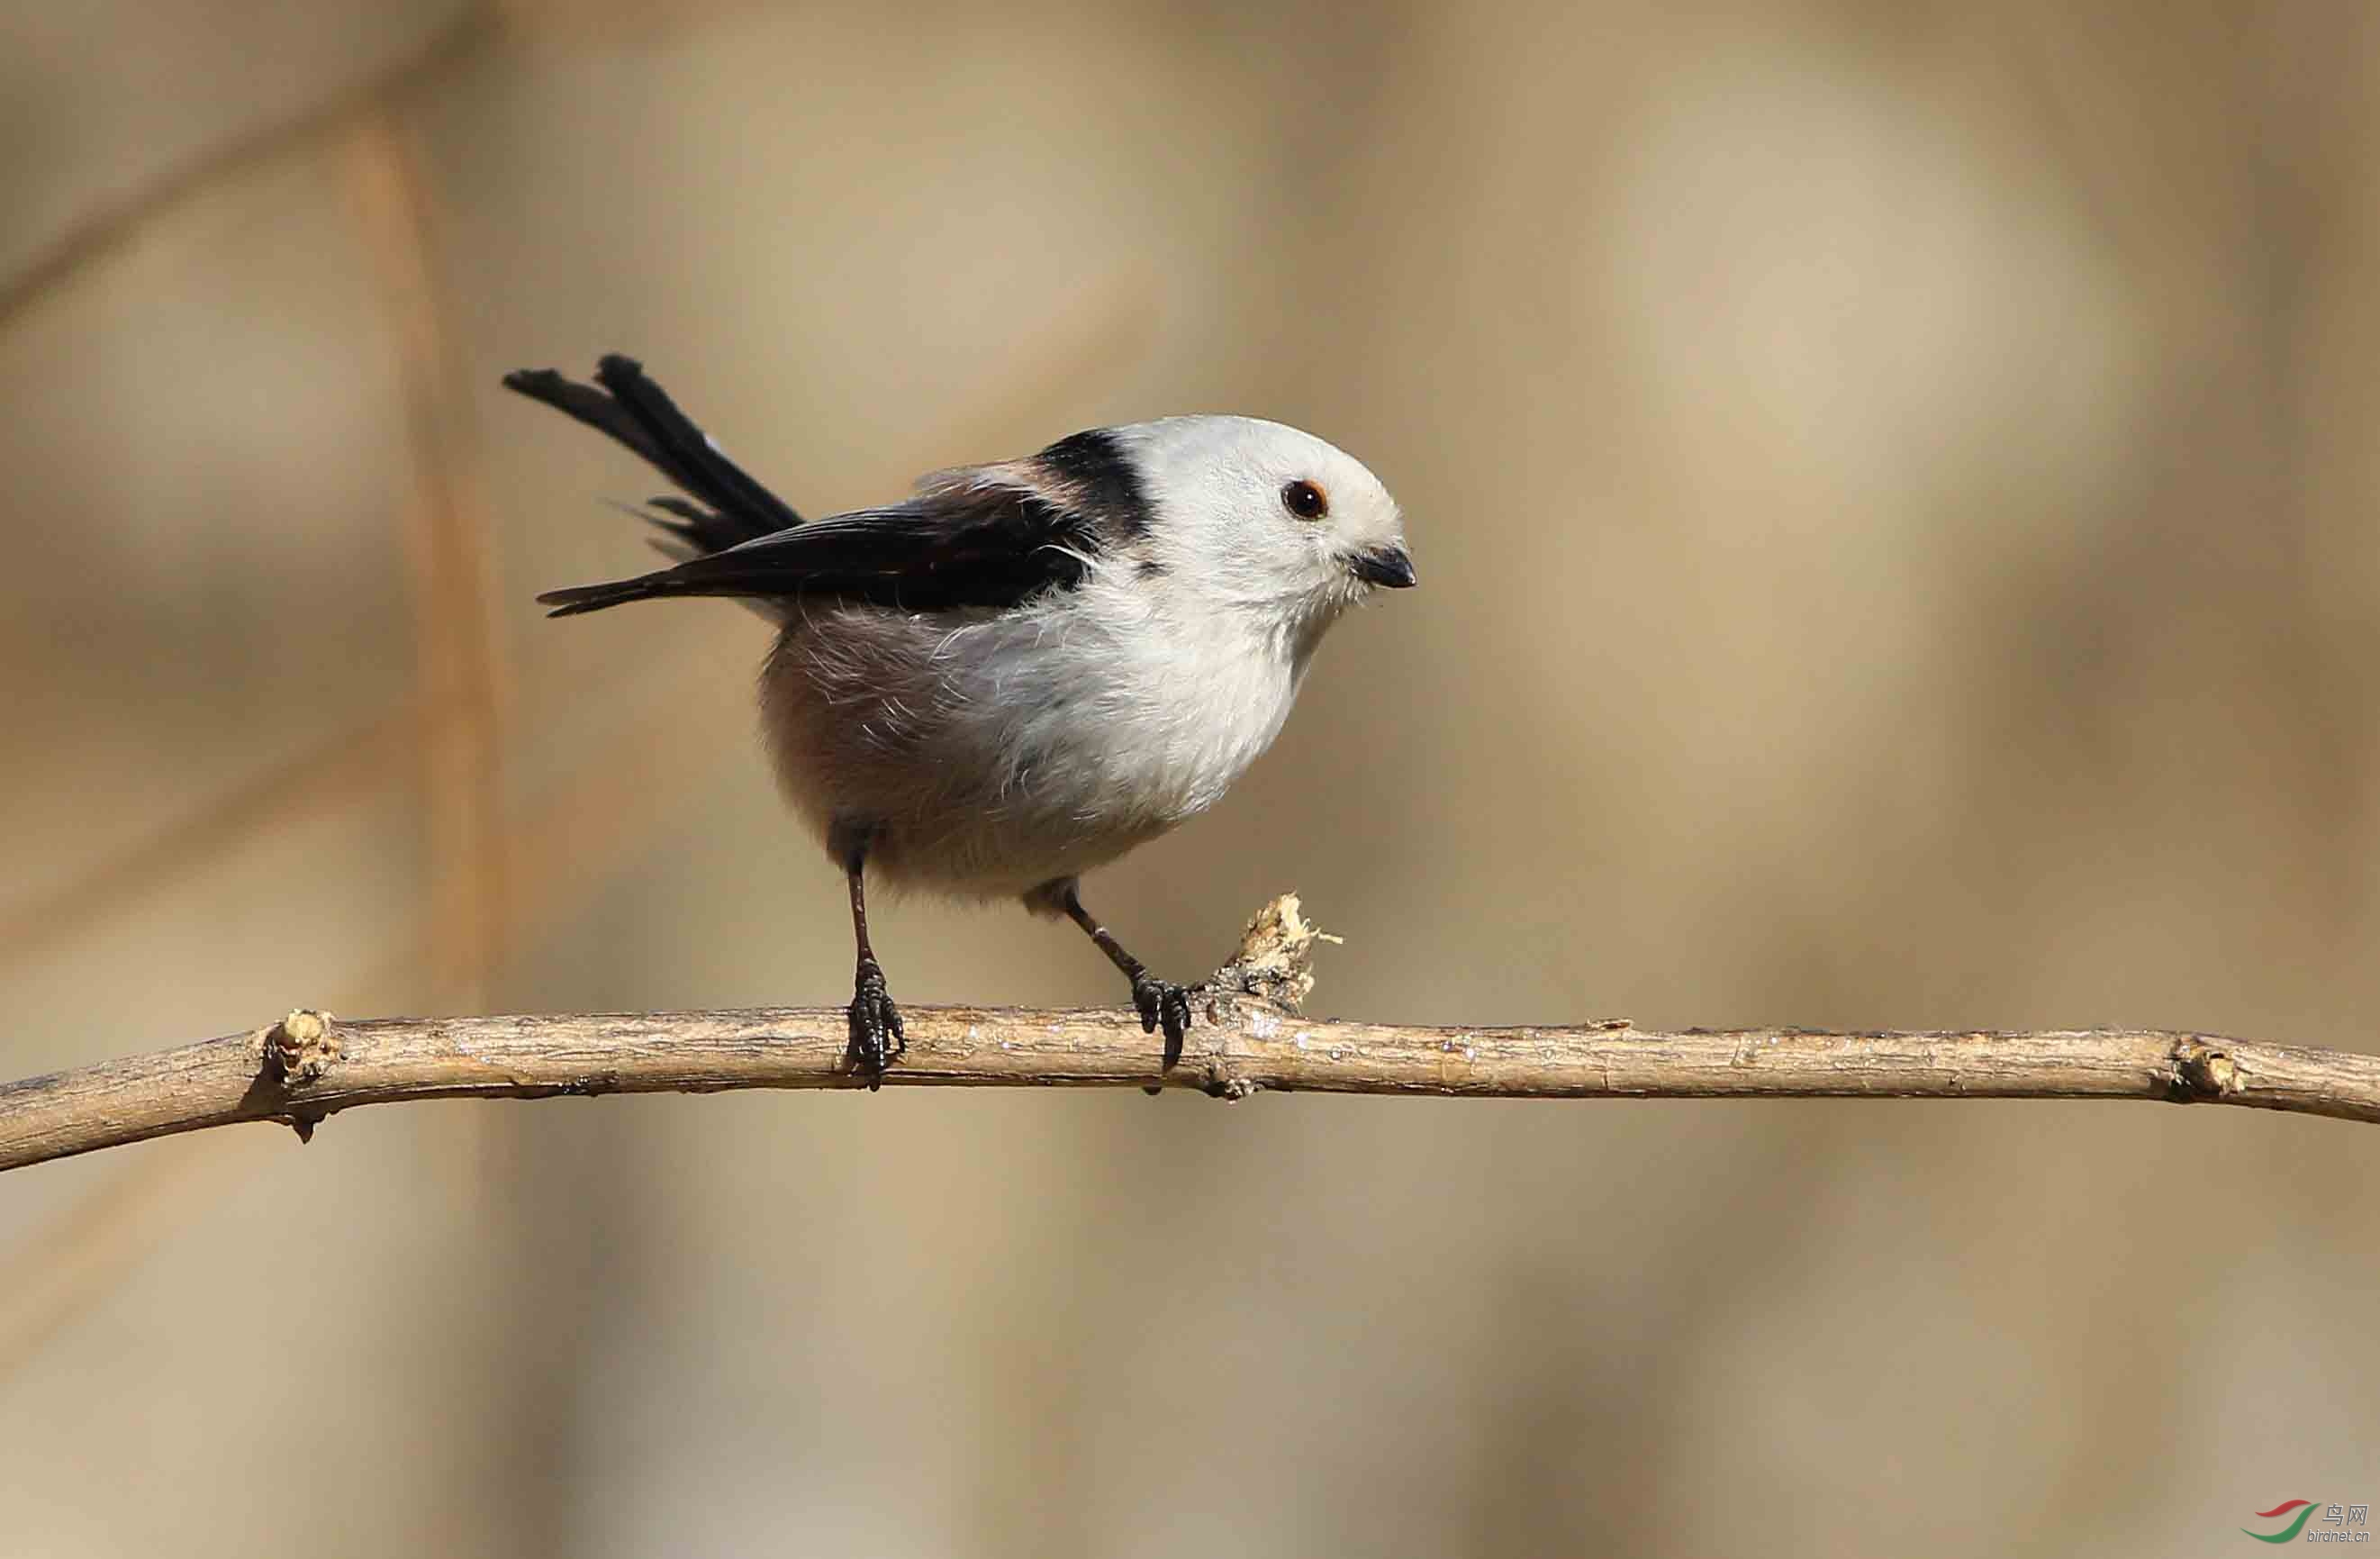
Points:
(632, 409)
(985, 543)
(990, 536)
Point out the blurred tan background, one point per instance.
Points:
(1894, 488)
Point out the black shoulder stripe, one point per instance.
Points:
(1099, 476)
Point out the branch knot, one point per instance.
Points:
(300, 1048)
(2202, 1073)
(1275, 961)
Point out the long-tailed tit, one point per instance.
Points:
(1026, 668)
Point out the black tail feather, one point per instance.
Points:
(694, 462)
(752, 583)
(692, 526)
(626, 405)
(594, 598)
(589, 405)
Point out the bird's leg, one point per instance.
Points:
(1160, 1001)
(876, 1038)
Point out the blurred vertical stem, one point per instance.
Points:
(453, 571)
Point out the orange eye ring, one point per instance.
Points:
(1304, 500)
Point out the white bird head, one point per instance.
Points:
(1266, 517)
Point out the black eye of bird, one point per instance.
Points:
(1304, 500)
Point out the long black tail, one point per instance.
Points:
(632, 409)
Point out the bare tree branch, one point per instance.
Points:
(1250, 1038)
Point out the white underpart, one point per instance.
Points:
(988, 752)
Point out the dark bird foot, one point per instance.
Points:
(1162, 1001)
(876, 1038)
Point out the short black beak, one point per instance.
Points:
(1391, 567)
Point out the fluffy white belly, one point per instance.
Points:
(985, 755)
